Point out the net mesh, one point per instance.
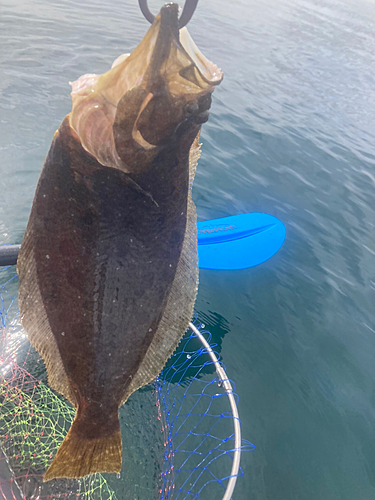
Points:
(186, 442)
(198, 423)
(33, 419)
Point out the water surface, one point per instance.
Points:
(292, 134)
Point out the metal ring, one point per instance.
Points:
(146, 11)
(187, 13)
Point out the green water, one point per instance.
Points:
(291, 133)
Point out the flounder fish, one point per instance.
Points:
(108, 266)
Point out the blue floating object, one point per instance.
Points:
(239, 241)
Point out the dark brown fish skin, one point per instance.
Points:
(101, 252)
(114, 236)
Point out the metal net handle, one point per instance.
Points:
(236, 420)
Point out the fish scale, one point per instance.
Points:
(108, 267)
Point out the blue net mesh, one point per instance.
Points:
(198, 423)
(187, 444)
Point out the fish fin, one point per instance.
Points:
(35, 321)
(194, 155)
(180, 303)
(81, 454)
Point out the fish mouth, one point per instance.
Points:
(169, 48)
(137, 106)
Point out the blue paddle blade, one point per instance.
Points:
(239, 241)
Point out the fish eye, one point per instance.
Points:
(192, 107)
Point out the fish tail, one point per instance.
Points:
(93, 444)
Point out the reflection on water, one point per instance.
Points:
(291, 133)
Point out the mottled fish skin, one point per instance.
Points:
(108, 266)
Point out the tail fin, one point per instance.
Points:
(83, 453)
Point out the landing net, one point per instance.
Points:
(186, 426)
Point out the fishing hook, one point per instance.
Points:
(185, 17)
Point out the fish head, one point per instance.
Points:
(154, 98)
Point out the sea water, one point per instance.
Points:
(291, 133)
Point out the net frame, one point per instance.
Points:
(236, 419)
(196, 359)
